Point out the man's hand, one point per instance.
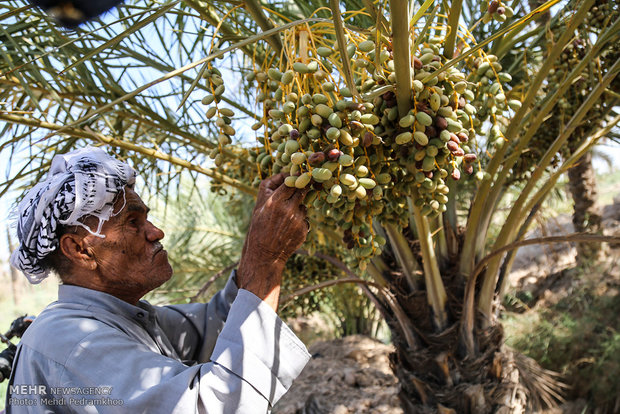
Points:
(277, 229)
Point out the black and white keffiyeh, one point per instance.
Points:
(81, 183)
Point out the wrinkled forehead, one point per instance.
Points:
(129, 201)
(125, 203)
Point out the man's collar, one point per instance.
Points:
(101, 300)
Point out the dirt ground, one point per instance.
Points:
(352, 375)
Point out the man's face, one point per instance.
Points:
(130, 257)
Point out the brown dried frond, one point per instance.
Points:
(545, 388)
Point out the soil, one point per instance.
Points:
(352, 375)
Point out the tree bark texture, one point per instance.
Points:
(436, 373)
(586, 212)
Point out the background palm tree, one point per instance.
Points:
(204, 235)
(419, 246)
(587, 214)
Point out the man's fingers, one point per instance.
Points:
(283, 193)
(304, 213)
(268, 186)
(287, 197)
(299, 195)
(273, 182)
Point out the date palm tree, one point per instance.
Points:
(410, 121)
(587, 214)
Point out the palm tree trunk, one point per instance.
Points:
(438, 377)
(586, 212)
(437, 374)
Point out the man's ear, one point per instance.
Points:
(77, 249)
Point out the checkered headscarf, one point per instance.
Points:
(81, 183)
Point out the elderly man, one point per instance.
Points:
(100, 349)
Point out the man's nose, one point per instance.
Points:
(154, 233)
